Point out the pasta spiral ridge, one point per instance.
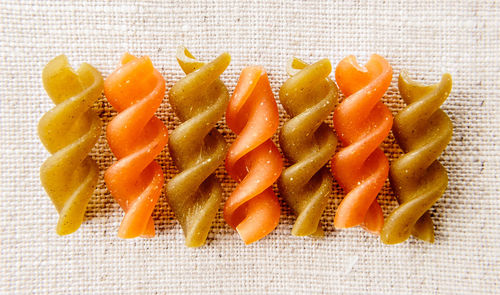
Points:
(135, 136)
(362, 122)
(69, 131)
(253, 160)
(199, 100)
(309, 96)
(423, 131)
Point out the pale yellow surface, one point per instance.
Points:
(69, 131)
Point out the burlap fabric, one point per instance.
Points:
(425, 37)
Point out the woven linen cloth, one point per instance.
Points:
(427, 38)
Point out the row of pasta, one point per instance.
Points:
(136, 136)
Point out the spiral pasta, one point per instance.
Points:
(253, 159)
(309, 96)
(69, 131)
(423, 131)
(197, 148)
(136, 89)
(362, 122)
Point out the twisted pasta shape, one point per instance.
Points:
(362, 122)
(69, 131)
(136, 137)
(197, 148)
(253, 159)
(423, 131)
(309, 96)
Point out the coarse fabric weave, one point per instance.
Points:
(427, 38)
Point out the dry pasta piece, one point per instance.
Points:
(69, 131)
(253, 160)
(423, 131)
(136, 89)
(309, 96)
(197, 148)
(362, 122)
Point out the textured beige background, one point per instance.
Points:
(426, 38)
